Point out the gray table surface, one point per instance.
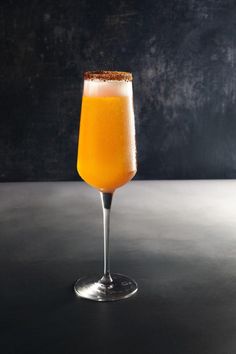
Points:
(177, 239)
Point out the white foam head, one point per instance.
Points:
(107, 88)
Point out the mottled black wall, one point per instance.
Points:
(182, 54)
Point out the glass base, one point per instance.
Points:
(122, 287)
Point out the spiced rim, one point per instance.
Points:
(108, 75)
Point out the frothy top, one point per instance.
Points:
(107, 84)
(108, 75)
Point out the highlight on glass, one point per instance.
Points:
(107, 161)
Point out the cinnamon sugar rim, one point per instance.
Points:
(108, 75)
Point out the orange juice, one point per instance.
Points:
(107, 152)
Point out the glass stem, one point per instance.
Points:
(106, 206)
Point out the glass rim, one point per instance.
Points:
(106, 75)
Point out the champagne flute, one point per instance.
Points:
(106, 161)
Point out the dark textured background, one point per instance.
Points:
(182, 55)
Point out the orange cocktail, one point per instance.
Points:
(107, 153)
(106, 161)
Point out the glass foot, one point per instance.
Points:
(122, 287)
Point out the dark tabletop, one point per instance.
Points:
(177, 239)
